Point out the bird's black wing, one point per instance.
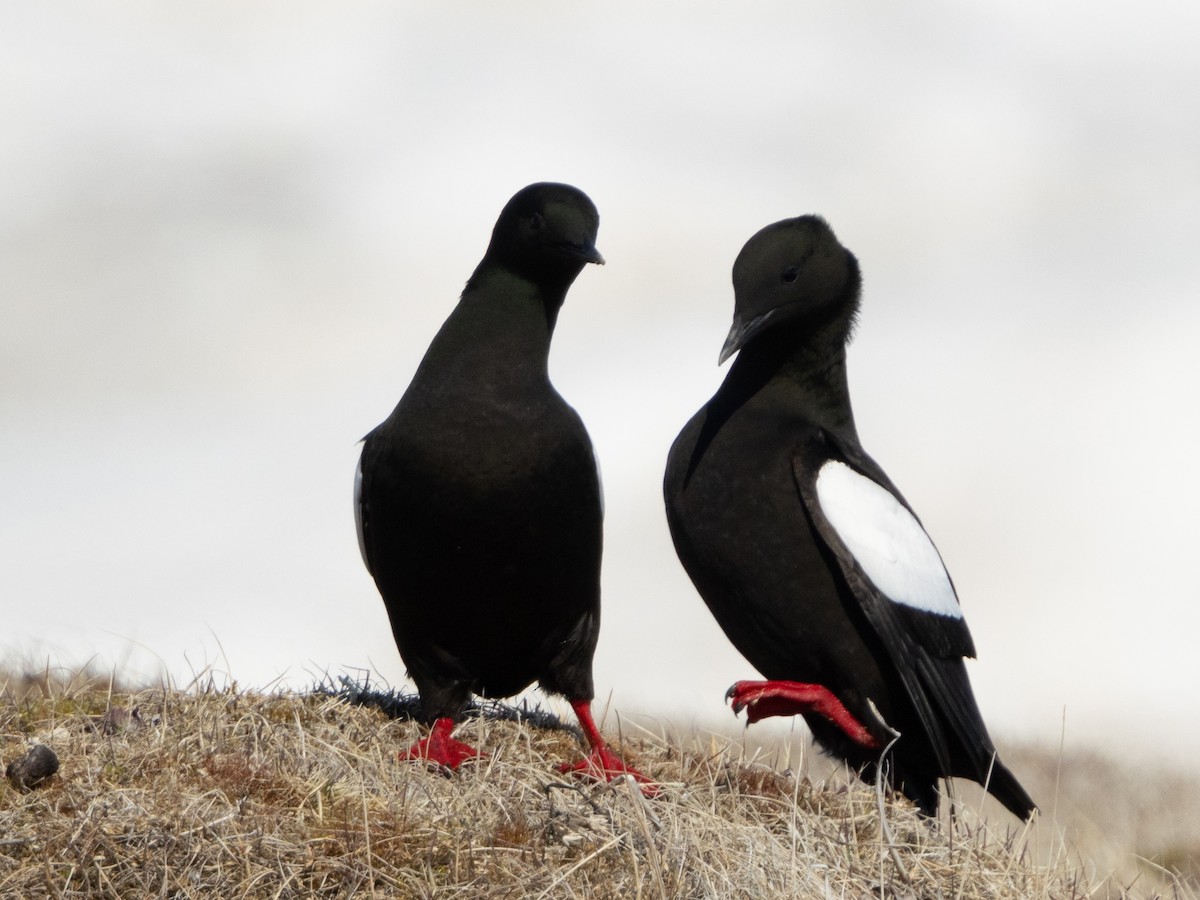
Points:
(898, 578)
(872, 530)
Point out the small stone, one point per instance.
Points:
(32, 769)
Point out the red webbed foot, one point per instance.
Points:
(440, 748)
(601, 763)
(762, 699)
(604, 765)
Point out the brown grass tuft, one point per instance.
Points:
(219, 792)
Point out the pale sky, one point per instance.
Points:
(229, 230)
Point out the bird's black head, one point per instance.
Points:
(546, 231)
(793, 274)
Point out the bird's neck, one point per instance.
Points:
(502, 322)
(512, 291)
(805, 380)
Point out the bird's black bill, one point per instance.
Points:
(741, 332)
(586, 252)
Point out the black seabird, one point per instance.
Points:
(805, 552)
(478, 500)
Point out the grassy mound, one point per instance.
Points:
(216, 792)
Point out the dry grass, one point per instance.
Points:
(215, 792)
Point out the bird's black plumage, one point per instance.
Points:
(805, 552)
(478, 499)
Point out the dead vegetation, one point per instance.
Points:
(217, 792)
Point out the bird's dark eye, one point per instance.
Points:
(790, 274)
(535, 221)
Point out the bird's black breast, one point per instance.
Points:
(747, 543)
(484, 532)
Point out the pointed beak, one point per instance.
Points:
(732, 344)
(741, 332)
(587, 252)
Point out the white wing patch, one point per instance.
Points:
(358, 522)
(886, 539)
(599, 478)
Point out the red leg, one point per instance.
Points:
(440, 748)
(602, 763)
(761, 699)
